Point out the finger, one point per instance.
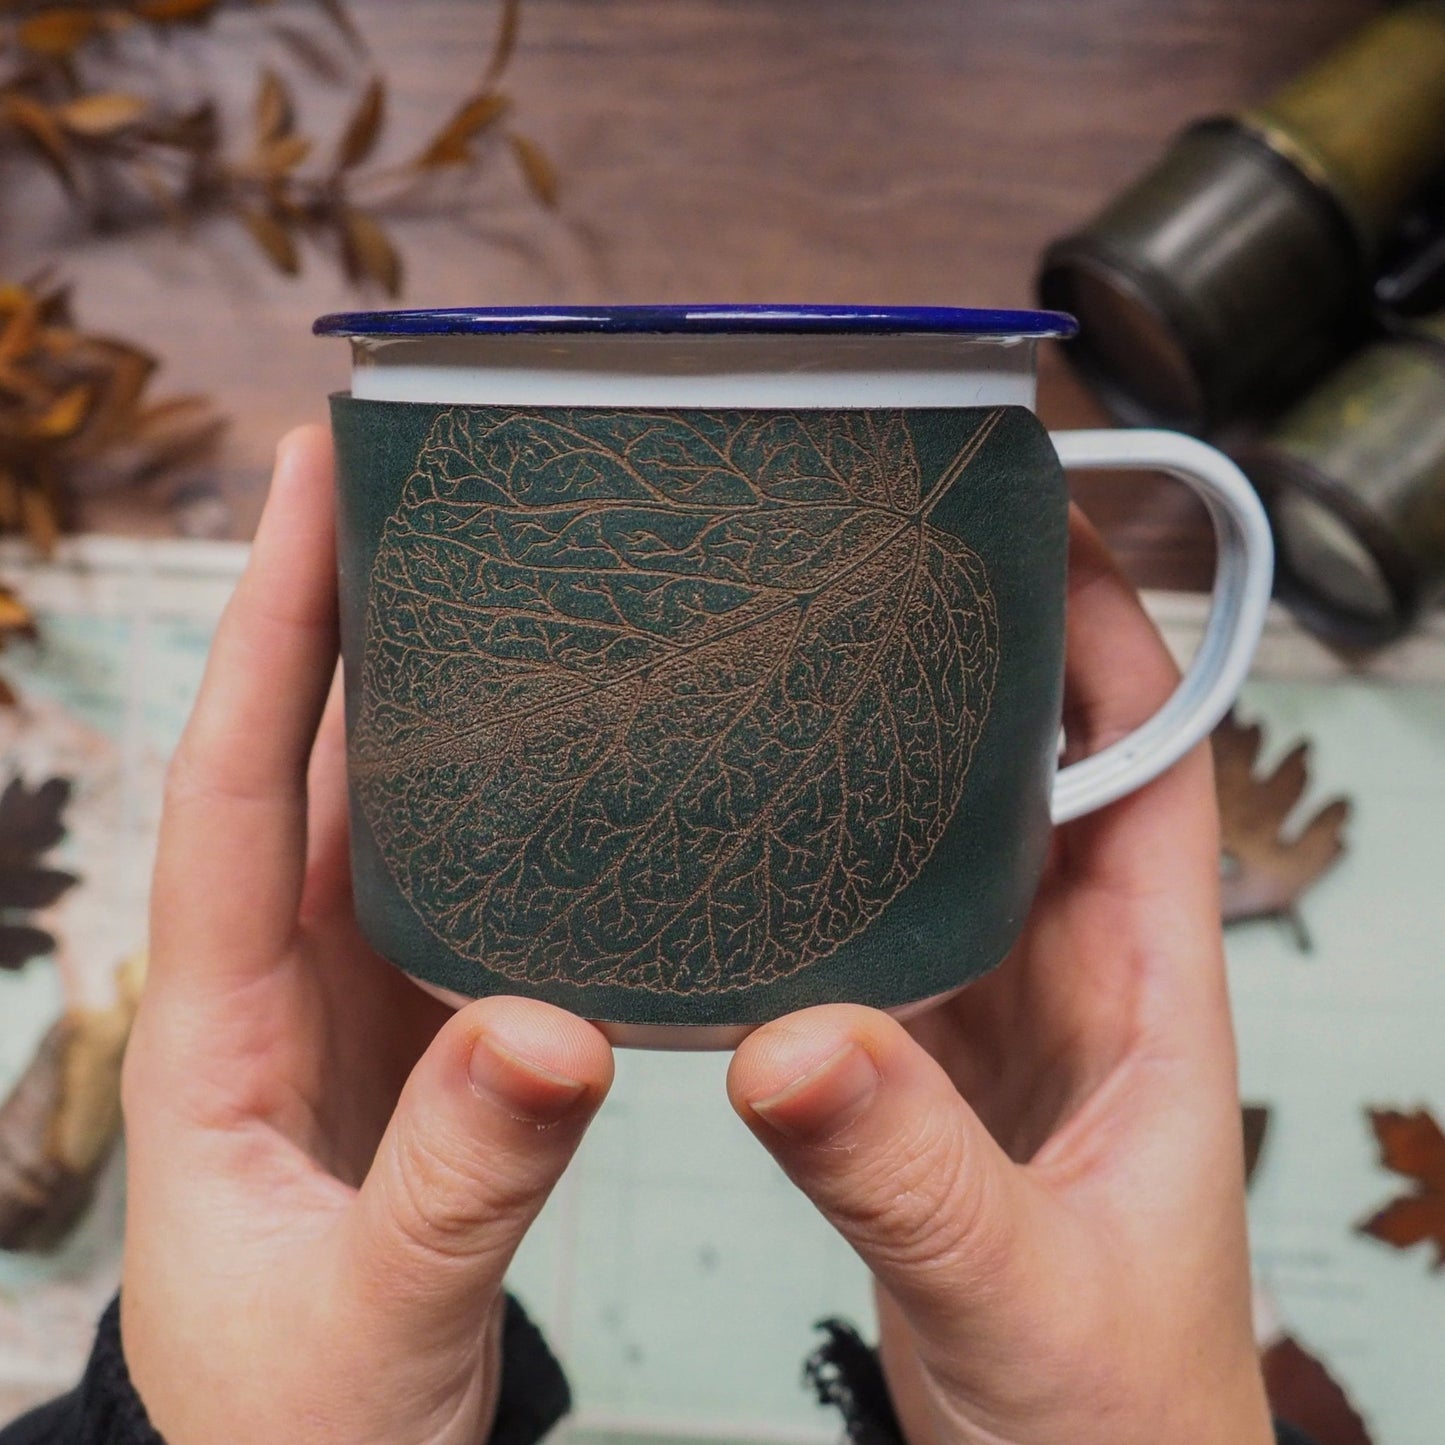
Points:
(1117, 674)
(871, 1130)
(233, 835)
(485, 1126)
(328, 858)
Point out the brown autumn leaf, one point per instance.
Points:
(285, 154)
(1256, 1127)
(39, 519)
(16, 618)
(451, 144)
(537, 170)
(272, 237)
(104, 113)
(363, 130)
(37, 123)
(1413, 1146)
(1268, 866)
(1302, 1390)
(60, 1122)
(57, 34)
(505, 44)
(170, 11)
(654, 686)
(32, 822)
(370, 254)
(275, 112)
(64, 416)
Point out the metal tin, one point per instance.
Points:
(1237, 270)
(1354, 480)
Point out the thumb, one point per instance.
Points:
(873, 1131)
(487, 1122)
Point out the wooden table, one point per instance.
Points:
(718, 150)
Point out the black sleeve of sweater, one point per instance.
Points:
(104, 1408)
(845, 1373)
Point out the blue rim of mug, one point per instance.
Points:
(702, 321)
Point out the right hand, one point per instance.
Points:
(328, 1170)
(1045, 1173)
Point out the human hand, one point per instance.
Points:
(328, 1171)
(1046, 1177)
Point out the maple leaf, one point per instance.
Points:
(1268, 869)
(31, 823)
(667, 700)
(1414, 1146)
(1302, 1390)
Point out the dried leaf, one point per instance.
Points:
(56, 34)
(1268, 870)
(1256, 1126)
(31, 824)
(536, 168)
(21, 330)
(64, 417)
(197, 130)
(503, 47)
(166, 11)
(122, 372)
(450, 146)
(39, 126)
(370, 254)
(275, 113)
(363, 130)
(1412, 1145)
(273, 238)
(16, 619)
(1302, 1391)
(102, 114)
(659, 615)
(285, 154)
(62, 1119)
(39, 519)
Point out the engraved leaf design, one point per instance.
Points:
(668, 700)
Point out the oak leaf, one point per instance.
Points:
(665, 700)
(31, 824)
(1412, 1145)
(1268, 867)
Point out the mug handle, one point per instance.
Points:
(1243, 575)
